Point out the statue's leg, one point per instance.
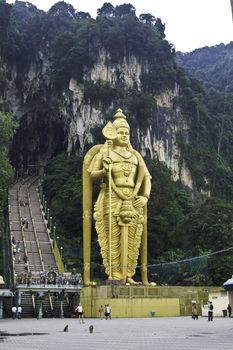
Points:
(124, 252)
(144, 272)
(134, 241)
(115, 245)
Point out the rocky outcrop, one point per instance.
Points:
(49, 125)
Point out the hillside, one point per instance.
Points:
(63, 74)
(212, 65)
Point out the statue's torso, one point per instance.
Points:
(124, 168)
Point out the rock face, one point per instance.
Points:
(49, 125)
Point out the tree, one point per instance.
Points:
(63, 184)
(62, 9)
(160, 28)
(7, 128)
(5, 11)
(147, 18)
(83, 15)
(106, 10)
(125, 9)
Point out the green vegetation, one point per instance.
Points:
(212, 65)
(177, 228)
(64, 43)
(7, 128)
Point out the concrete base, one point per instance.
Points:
(139, 301)
(113, 283)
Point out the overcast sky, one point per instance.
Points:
(190, 24)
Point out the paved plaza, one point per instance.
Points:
(164, 333)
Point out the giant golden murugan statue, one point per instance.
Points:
(120, 212)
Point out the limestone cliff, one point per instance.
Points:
(63, 75)
(67, 124)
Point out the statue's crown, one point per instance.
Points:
(120, 120)
(119, 114)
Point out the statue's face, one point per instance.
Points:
(122, 137)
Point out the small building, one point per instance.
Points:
(219, 300)
(4, 293)
(228, 286)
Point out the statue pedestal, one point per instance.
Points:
(128, 301)
(113, 283)
(139, 301)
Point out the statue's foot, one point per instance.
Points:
(130, 281)
(152, 284)
(145, 282)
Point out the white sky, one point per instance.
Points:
(190, 24)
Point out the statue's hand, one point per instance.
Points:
(106, 162)
(140, 201)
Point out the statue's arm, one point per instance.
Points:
(98, 171)
(146, 185)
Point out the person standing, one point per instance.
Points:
(19, 312)
(14, 310)
(80, 311)
(101, 312)
(18, 248)
(229, 309)
(194, 312)
(108, 312)
(210, 311)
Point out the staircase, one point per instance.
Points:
(32, 238)
(32, 251)
(39, 286)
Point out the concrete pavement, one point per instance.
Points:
(165, 333)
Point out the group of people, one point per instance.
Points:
(105, 312)
(210, 310)
(17, 252)
(16, 312)
(23, 203)
(195, 311)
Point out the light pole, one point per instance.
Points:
(54, 235)
(61, 249)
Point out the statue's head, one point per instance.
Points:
(118, 131)
(122, 128)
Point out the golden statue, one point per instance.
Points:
(120, 212)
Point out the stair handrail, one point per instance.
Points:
(20, 216)
(43, 216)
(11, 245)
(33, 224)
(55, 249)
(18, 186)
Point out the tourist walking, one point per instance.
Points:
(14, 311)
(210, 311)
(18, 248)
(19, 312)
(229, 309)
(101, 312)
(108, 312)
(194, 312)
(80, 311)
